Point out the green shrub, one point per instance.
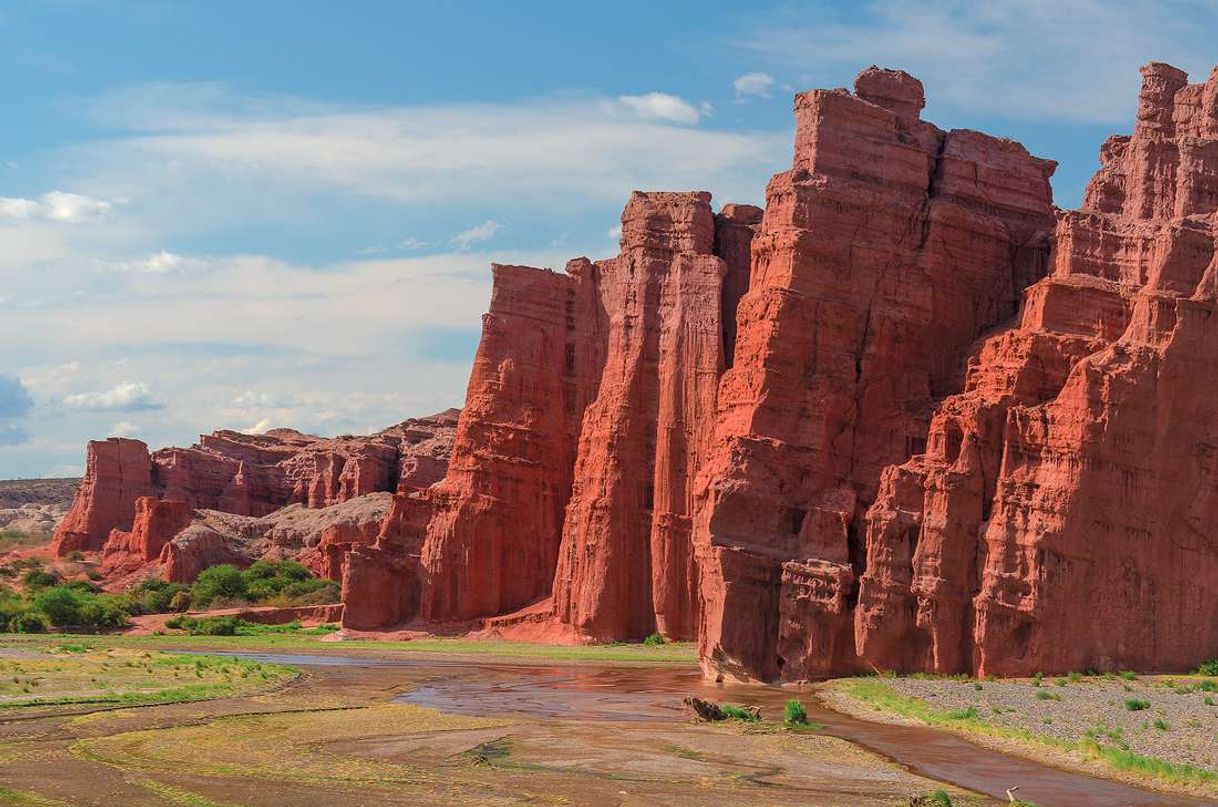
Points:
(794, 713)
(1208, 667)
(1128, 675)
(654, 640)
(180, 602)
(1161, 725)
(1037, 678)
(734, 712)
(39, 578)
(1046, 695)
(1136, 704)
(936, 798)
(223, 581)
(71, 606)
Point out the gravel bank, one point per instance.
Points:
(1175, 717)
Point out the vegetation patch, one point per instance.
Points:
(129, 677)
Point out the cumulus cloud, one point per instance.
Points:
(124, 428)
(15, 400)
(760, 85)
(261, 427)
(1075, 62)
(57, 206)
(663, 107)
(476, 234)
(129, 396)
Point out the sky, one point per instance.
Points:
(242, 215)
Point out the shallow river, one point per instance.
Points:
(619, 693)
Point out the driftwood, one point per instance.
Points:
(705, 710)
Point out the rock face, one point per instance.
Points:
(884, 253)
(1063, 514)
(156, 523)
(589, 407)
(118, 471)
(251, 475)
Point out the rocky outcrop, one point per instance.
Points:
(887, 249)
(156, 523)
(118, 471)
(589, 406)
(1062, 516)
(252, 475)
(626, 565)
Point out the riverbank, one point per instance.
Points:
(1152, 731)
(346, 732)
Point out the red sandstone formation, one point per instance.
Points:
(886, 250)
(1063, 515)
(252, 475)
(156, 523)
(117, 472)
(588, 410)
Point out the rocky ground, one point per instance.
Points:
(33, 507)
(1173, 719)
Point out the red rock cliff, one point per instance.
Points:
(887, 249)
(1063, 515)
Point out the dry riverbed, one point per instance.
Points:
(1153, 730)
(106, 732)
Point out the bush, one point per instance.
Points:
(794, 713)
(937, 798)
(1208, 667)
(739, 713)
(62, 605)
(1046, 695)
(180, 602)
(39, 578)
(1136, 704)
(225, 581)
(71, 606)
(153, 595)
(654, 640)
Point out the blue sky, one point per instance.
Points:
(248, 215)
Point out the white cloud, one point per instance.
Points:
(261, 427)
(476, 234)
(661, 106)
(250, 399)
(557, 149)
(1040, 59)
(124, 428)
(411, 243)
(760, 85)
(57, 206)
(160, 263)
(128, 396)
(615, 232)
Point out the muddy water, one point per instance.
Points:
(629, 694)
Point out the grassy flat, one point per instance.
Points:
(678, 653)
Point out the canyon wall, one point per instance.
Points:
(1064, 514)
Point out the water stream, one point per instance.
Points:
(626, 694)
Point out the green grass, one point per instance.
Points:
(734, 712)
(675, 653)
(177, 796)
(1136, 704)
(882, 697)
(794, 713)
(24, 798)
